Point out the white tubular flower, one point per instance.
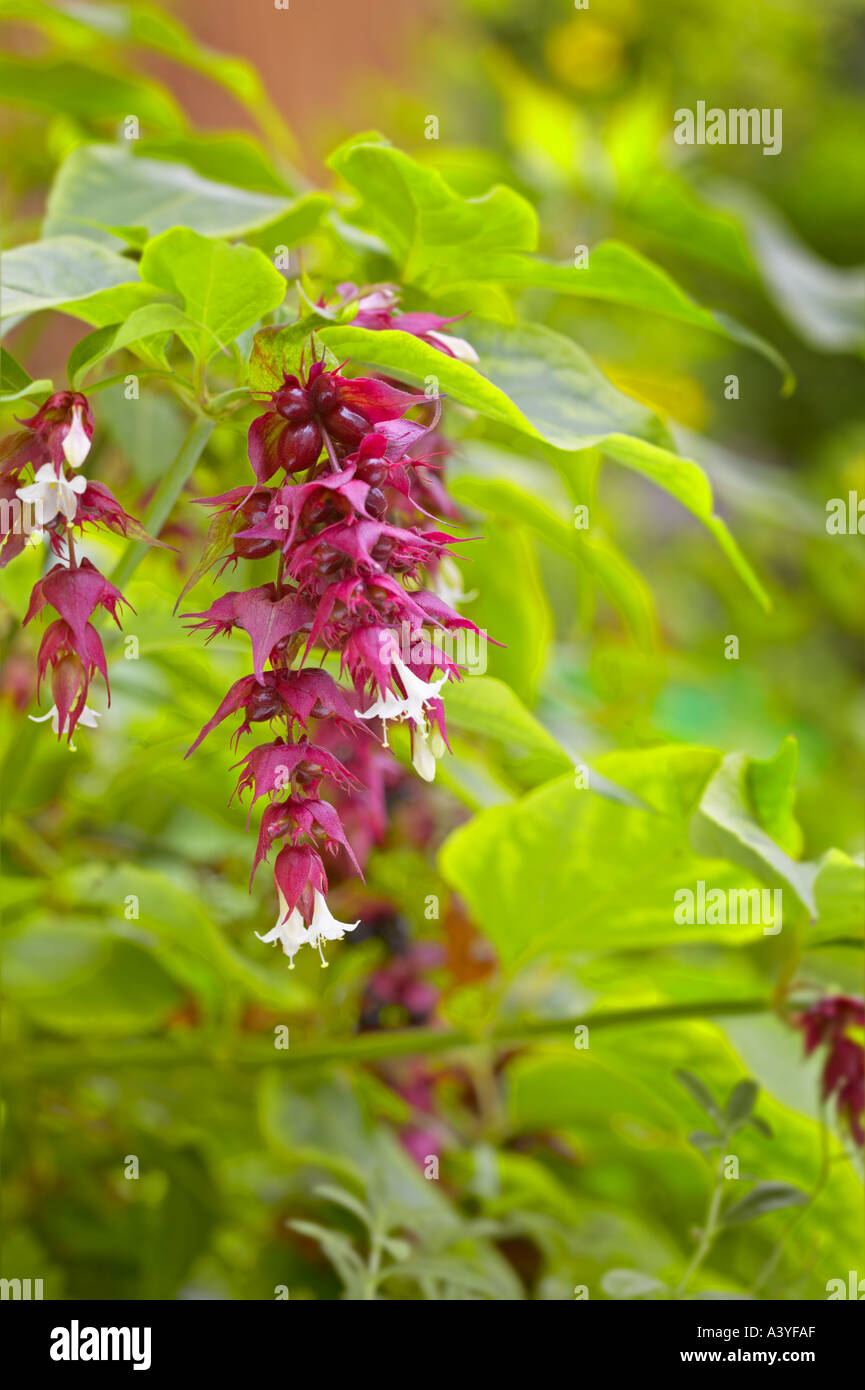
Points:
(458, 347)
(51, 494)
(448, 584)
(88, 717)
(422, 757)
(412, 706)
(76, 445)
(324, 926)
(290, 931)
(382, 297)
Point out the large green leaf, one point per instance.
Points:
(440, 240)
(94, 93)
(224, 289)
(530, 378)
(561, 870)
(619, 275)
(99, 187)
(61, 270)
(687, 482)
(433, 232)
(153, 320)
(593, 554)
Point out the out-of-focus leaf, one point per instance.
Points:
(15, 383)
(698, 1091)
(90, 93)
(741, 1102)
(770, 784)
(839, 894)
(103, 186)
(60, 270)
(765, 1197)
(824, 303)
(630, 1283)
(725, 825)
(153, 320)
(530, 378)
(560, 871)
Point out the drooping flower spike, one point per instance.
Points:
(336, 500)
(54, 504)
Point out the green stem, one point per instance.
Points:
(822, 1178)
(365, 1047)
(165, 497)
(710, 1225)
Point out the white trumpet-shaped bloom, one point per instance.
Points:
(458, 347)
(291, 932)
(50, 494)
(412, 705)
(76, 445)
(426, 746)
(324, 926)
(87, 718)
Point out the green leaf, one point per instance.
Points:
(839, 894)
(59, 271)
(724, 824)
(15, 382)
(626, 1284)
(102, 186)
(740, 1103)
(619, 275)
(88, 92)
(685, 480)
(771, 788)
(530, 378)
(560, 870)
(150, 321)
(699, 1091)
(225, 289)
(765, 1197)
(436, 236)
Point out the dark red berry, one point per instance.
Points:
(254, 547)
(299, 448)
(292, 402)
(346, 425)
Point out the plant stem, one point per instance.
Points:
(165, 497)
(331, 451)
(822, 1178)
(710, 1225)
(365, 1047)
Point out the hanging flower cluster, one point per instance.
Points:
(337, 501)
(54, 443)
(828, 1024)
